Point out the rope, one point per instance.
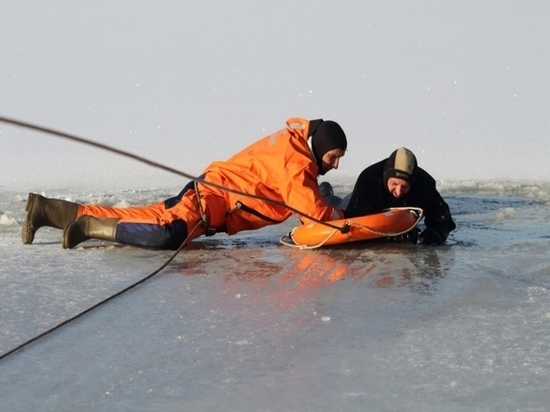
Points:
(203, 221)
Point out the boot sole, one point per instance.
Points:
(27, 231)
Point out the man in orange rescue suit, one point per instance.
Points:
(283, 166)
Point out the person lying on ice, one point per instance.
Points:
(397, 182)
(283, 166)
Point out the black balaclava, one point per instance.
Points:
(325, 136)
(402, 165)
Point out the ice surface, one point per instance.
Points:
(244, 323)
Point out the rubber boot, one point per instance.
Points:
(42, 211)
(88, 227)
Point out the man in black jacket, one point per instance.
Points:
(398, 182)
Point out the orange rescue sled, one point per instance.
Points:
(391, 222)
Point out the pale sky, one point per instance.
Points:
(464, 85)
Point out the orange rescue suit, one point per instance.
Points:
(280, 166)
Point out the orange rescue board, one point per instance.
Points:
(388, 223)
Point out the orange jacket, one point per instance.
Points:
(281, 167)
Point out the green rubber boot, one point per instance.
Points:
(88, 227)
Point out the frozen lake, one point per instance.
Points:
(244, 323)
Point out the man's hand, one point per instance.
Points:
(430, 237)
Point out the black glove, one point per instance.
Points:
(430, 237)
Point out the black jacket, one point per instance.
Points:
(370, 195)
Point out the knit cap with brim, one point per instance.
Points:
(402, 165)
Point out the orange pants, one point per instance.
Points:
(162, 225)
